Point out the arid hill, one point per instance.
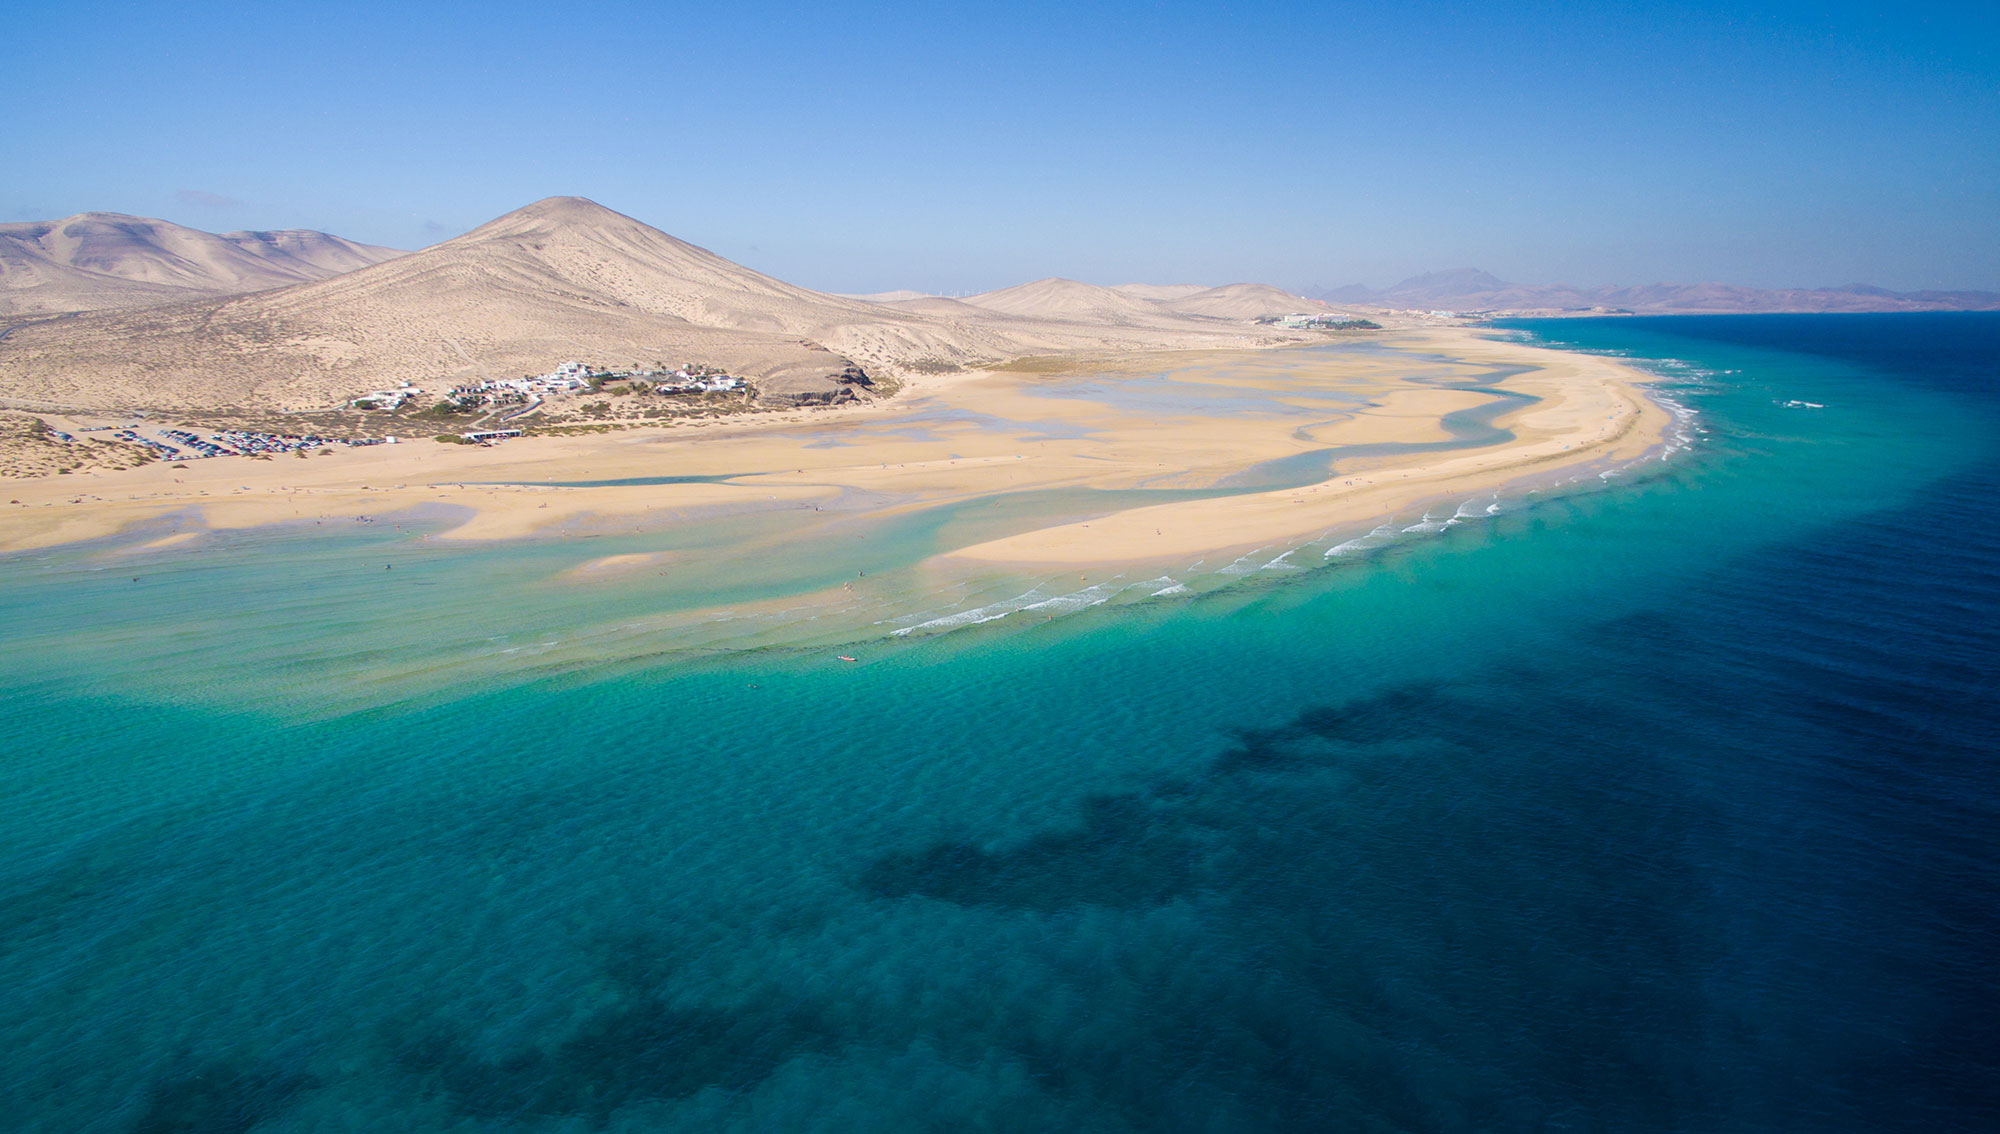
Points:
(564, 278)
(99, 261)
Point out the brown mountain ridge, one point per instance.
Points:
(99, 261)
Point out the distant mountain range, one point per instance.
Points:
(101, 261)
(105, 310)
(1469, 289)
(563, 278)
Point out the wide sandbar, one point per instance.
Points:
(1183, 422)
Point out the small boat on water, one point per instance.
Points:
(844, 657)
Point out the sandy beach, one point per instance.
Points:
(1161, 423)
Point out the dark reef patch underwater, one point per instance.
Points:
(1668, 804)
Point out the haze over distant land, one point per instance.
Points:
(1469, 289)
(1766, 145)
(96, 261)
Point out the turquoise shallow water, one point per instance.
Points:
(1662, 802)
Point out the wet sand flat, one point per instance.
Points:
(1184, 421)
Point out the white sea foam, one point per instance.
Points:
(1280, 564)
(1077, 600)
(1369, 542)
(1428, 524)
(1242, 566)
(1040, 601)
(1682, 434)
(1469, 510)
(978, 614)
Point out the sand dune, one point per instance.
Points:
(939, 305)
(29, 448)
(890, 296)
(562, 278)
(1161, 292)
(98, 261)
(1242, 301)
(1069, 301)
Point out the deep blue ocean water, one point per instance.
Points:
(1665, 804)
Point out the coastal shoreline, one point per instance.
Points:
(1160, 422)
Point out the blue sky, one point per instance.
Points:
(859, 147)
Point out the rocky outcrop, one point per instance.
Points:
(816, 387)
(822, 397)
